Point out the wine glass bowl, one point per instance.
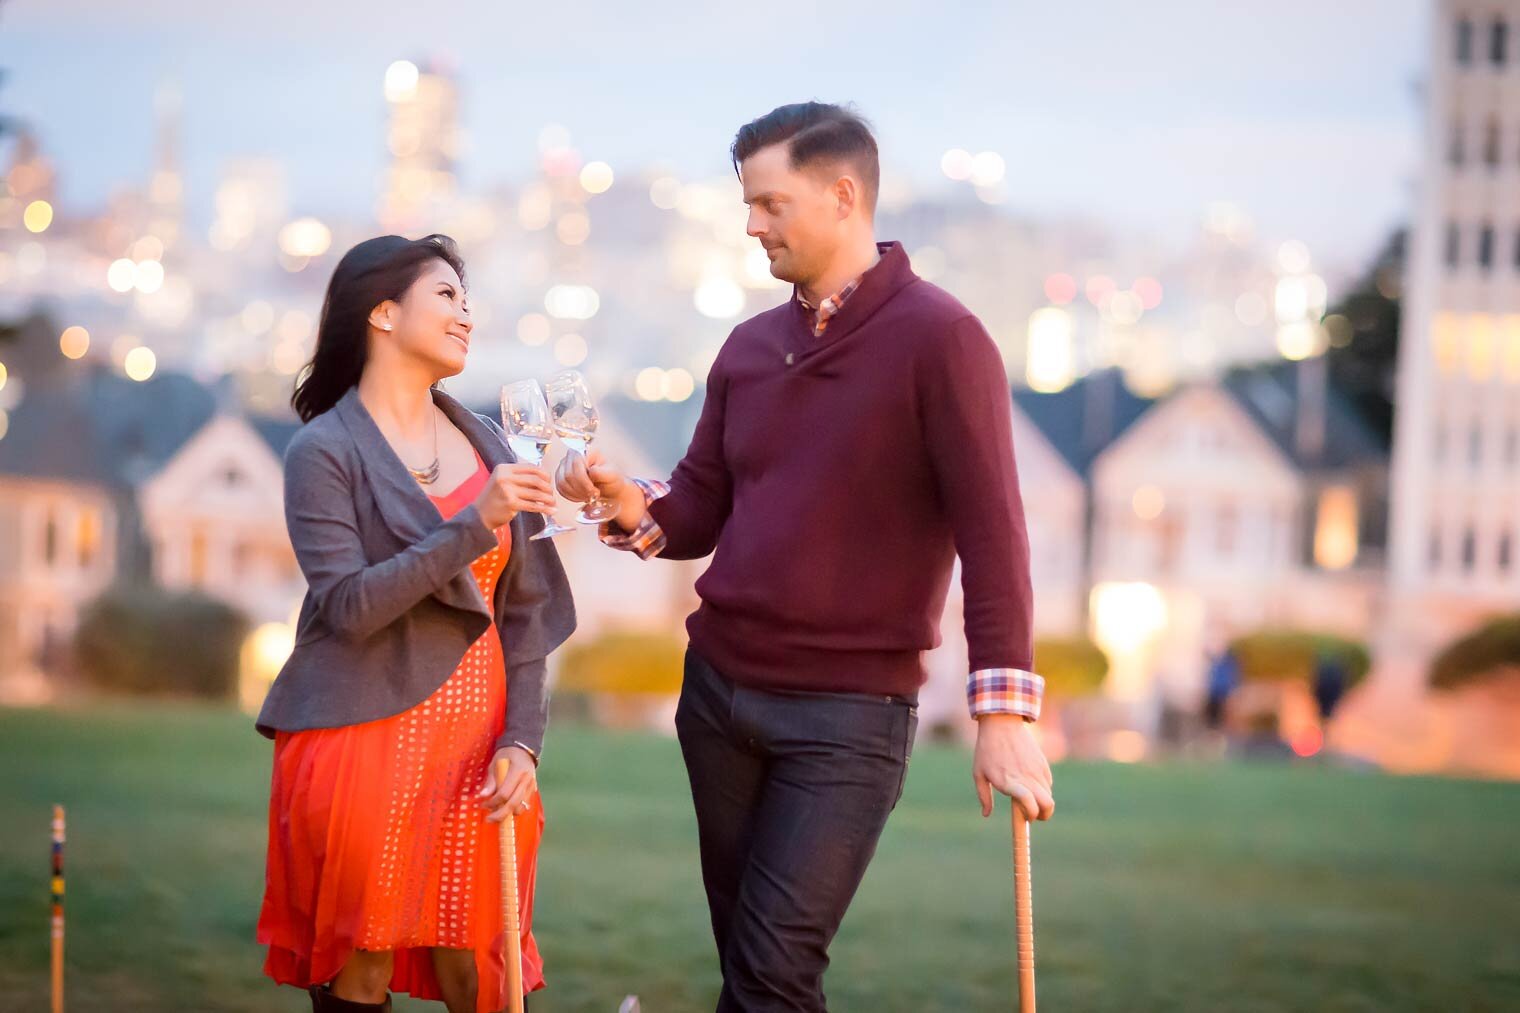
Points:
(525, 419)
(574, 417)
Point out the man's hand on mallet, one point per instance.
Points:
(1010, 760)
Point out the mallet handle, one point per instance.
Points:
(1023, 906)
(511, 916)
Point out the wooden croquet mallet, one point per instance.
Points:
(511, 914)
(1023, 907)
(57, 890)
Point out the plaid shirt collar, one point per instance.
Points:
(824, 311)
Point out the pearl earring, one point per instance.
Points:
(386, 326)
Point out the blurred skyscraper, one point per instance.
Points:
(166, 190)
(423, 137)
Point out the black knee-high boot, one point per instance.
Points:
(323, 1001)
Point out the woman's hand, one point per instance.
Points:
(511, 796)
(511, 489)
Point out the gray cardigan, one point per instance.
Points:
(391, 605)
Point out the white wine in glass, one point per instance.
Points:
(575, 419)
(525, 417)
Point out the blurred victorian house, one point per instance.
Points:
(106, 479)
(1250, 502)
(213, 516)
(1162, 528)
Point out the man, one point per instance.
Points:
(853, 441)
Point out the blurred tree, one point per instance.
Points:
(1071, 666)
(1364, 349)
(1305, 656)
(139, 638)
(1487, 651)
(29, 347)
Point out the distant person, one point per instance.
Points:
(853, 441)
(1224, 676)
(419, 656)
(1329, 682)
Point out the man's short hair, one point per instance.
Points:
(816, 133)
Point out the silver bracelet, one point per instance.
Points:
(532, 754)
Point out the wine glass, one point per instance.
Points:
(573, 412)
(525, 417)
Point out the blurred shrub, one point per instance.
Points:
(1072, 666)
(627, 663)
(140, 638)
(1490, 648)
(1292, 655)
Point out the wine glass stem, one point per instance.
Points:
(598, 499)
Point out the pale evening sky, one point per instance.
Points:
(1303, 112)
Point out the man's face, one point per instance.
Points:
(796, 215)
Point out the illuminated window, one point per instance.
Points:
(1335, 528)
(198, 557)
(87, 536)
(1509, 346)
(1446, 341)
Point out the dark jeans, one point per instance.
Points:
(792, 791)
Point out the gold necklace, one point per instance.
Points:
(429, 474)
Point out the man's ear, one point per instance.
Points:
(847, 195)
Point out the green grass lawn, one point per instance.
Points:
(1175, 888)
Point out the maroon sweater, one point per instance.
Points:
(837, 478)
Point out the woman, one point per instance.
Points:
(419, 657)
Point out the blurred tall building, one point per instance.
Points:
(1456, 472)
(166, 190)
(423, 137)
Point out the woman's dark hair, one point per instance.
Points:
(817, 133)
(372, 272)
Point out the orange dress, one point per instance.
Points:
(376, 838)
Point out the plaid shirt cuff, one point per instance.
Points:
(1005, 691)
(647, 539)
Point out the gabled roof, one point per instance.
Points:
(1272, 394)
(94, 425)
(1084, 418)
(277, 430)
